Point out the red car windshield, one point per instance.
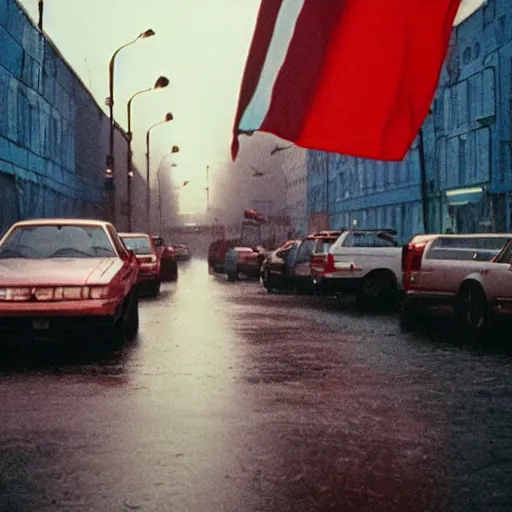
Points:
(57, 241)
(139, 245)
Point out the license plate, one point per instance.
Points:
(40, 325)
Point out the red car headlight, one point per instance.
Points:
(99, 292)
(15, 294)
(50, 294)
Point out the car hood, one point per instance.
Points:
(58, 271)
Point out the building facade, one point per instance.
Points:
(465, 182)
(294, 170)
(53, 135)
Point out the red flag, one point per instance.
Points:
(254, 215)
(349, 76)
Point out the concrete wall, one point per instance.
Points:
(53, 135)
(466, 143)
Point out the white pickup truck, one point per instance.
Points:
(365, 263)
(468, 276)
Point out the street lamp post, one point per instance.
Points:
(161, 83)
(40, 5)
(110, 165)
(168, 117)
(175, 149)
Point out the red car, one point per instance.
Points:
(60, 277)
(169, 263)
(149, 258)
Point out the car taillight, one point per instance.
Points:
(412, 254)
(329, 263)
(148, 259)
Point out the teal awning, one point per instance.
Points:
(463, 196)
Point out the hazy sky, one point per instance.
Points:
(200, 45)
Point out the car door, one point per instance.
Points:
(497, 275)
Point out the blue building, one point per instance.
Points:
(467, 180)
(53, 135)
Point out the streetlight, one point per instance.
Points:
(175, 149)
(168, 117)
(110, 103)
(161, 83)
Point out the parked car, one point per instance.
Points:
(278, 267)
(243, 260)
(217, 254)
(365, 263)
(63, 277)
(149, 258)
(182, 252)
(168, 260)
(303, 274)
(467, 276)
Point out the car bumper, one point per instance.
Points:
(72, 328)
(71, 308)
(331, 285)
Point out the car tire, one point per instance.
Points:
(132, 318)
(375, 290)
(266, 282)
(126, 326)
(233, 276)
(472, 310)
(174, 274)
(154, 289)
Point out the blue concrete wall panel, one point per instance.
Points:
(39, 132)
(11, 53)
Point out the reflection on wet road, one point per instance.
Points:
(235, 400)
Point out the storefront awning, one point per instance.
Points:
(464, 196)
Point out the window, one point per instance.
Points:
(139, 244)
(506, 255)
(466, 248)
(118, 243)
(305, 251)
(323, 245)
(57, 241)
(462, 160)
(371, 239)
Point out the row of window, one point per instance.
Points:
(367, 177)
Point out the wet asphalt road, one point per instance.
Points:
(235, 400)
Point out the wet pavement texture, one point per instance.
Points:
(232, 399)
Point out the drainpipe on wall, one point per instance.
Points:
(424, 181)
